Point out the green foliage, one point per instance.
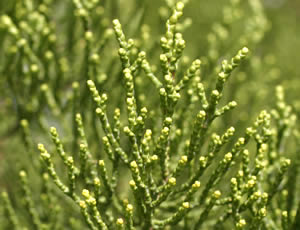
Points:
(112, 120)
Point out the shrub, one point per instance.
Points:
(149, 141)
